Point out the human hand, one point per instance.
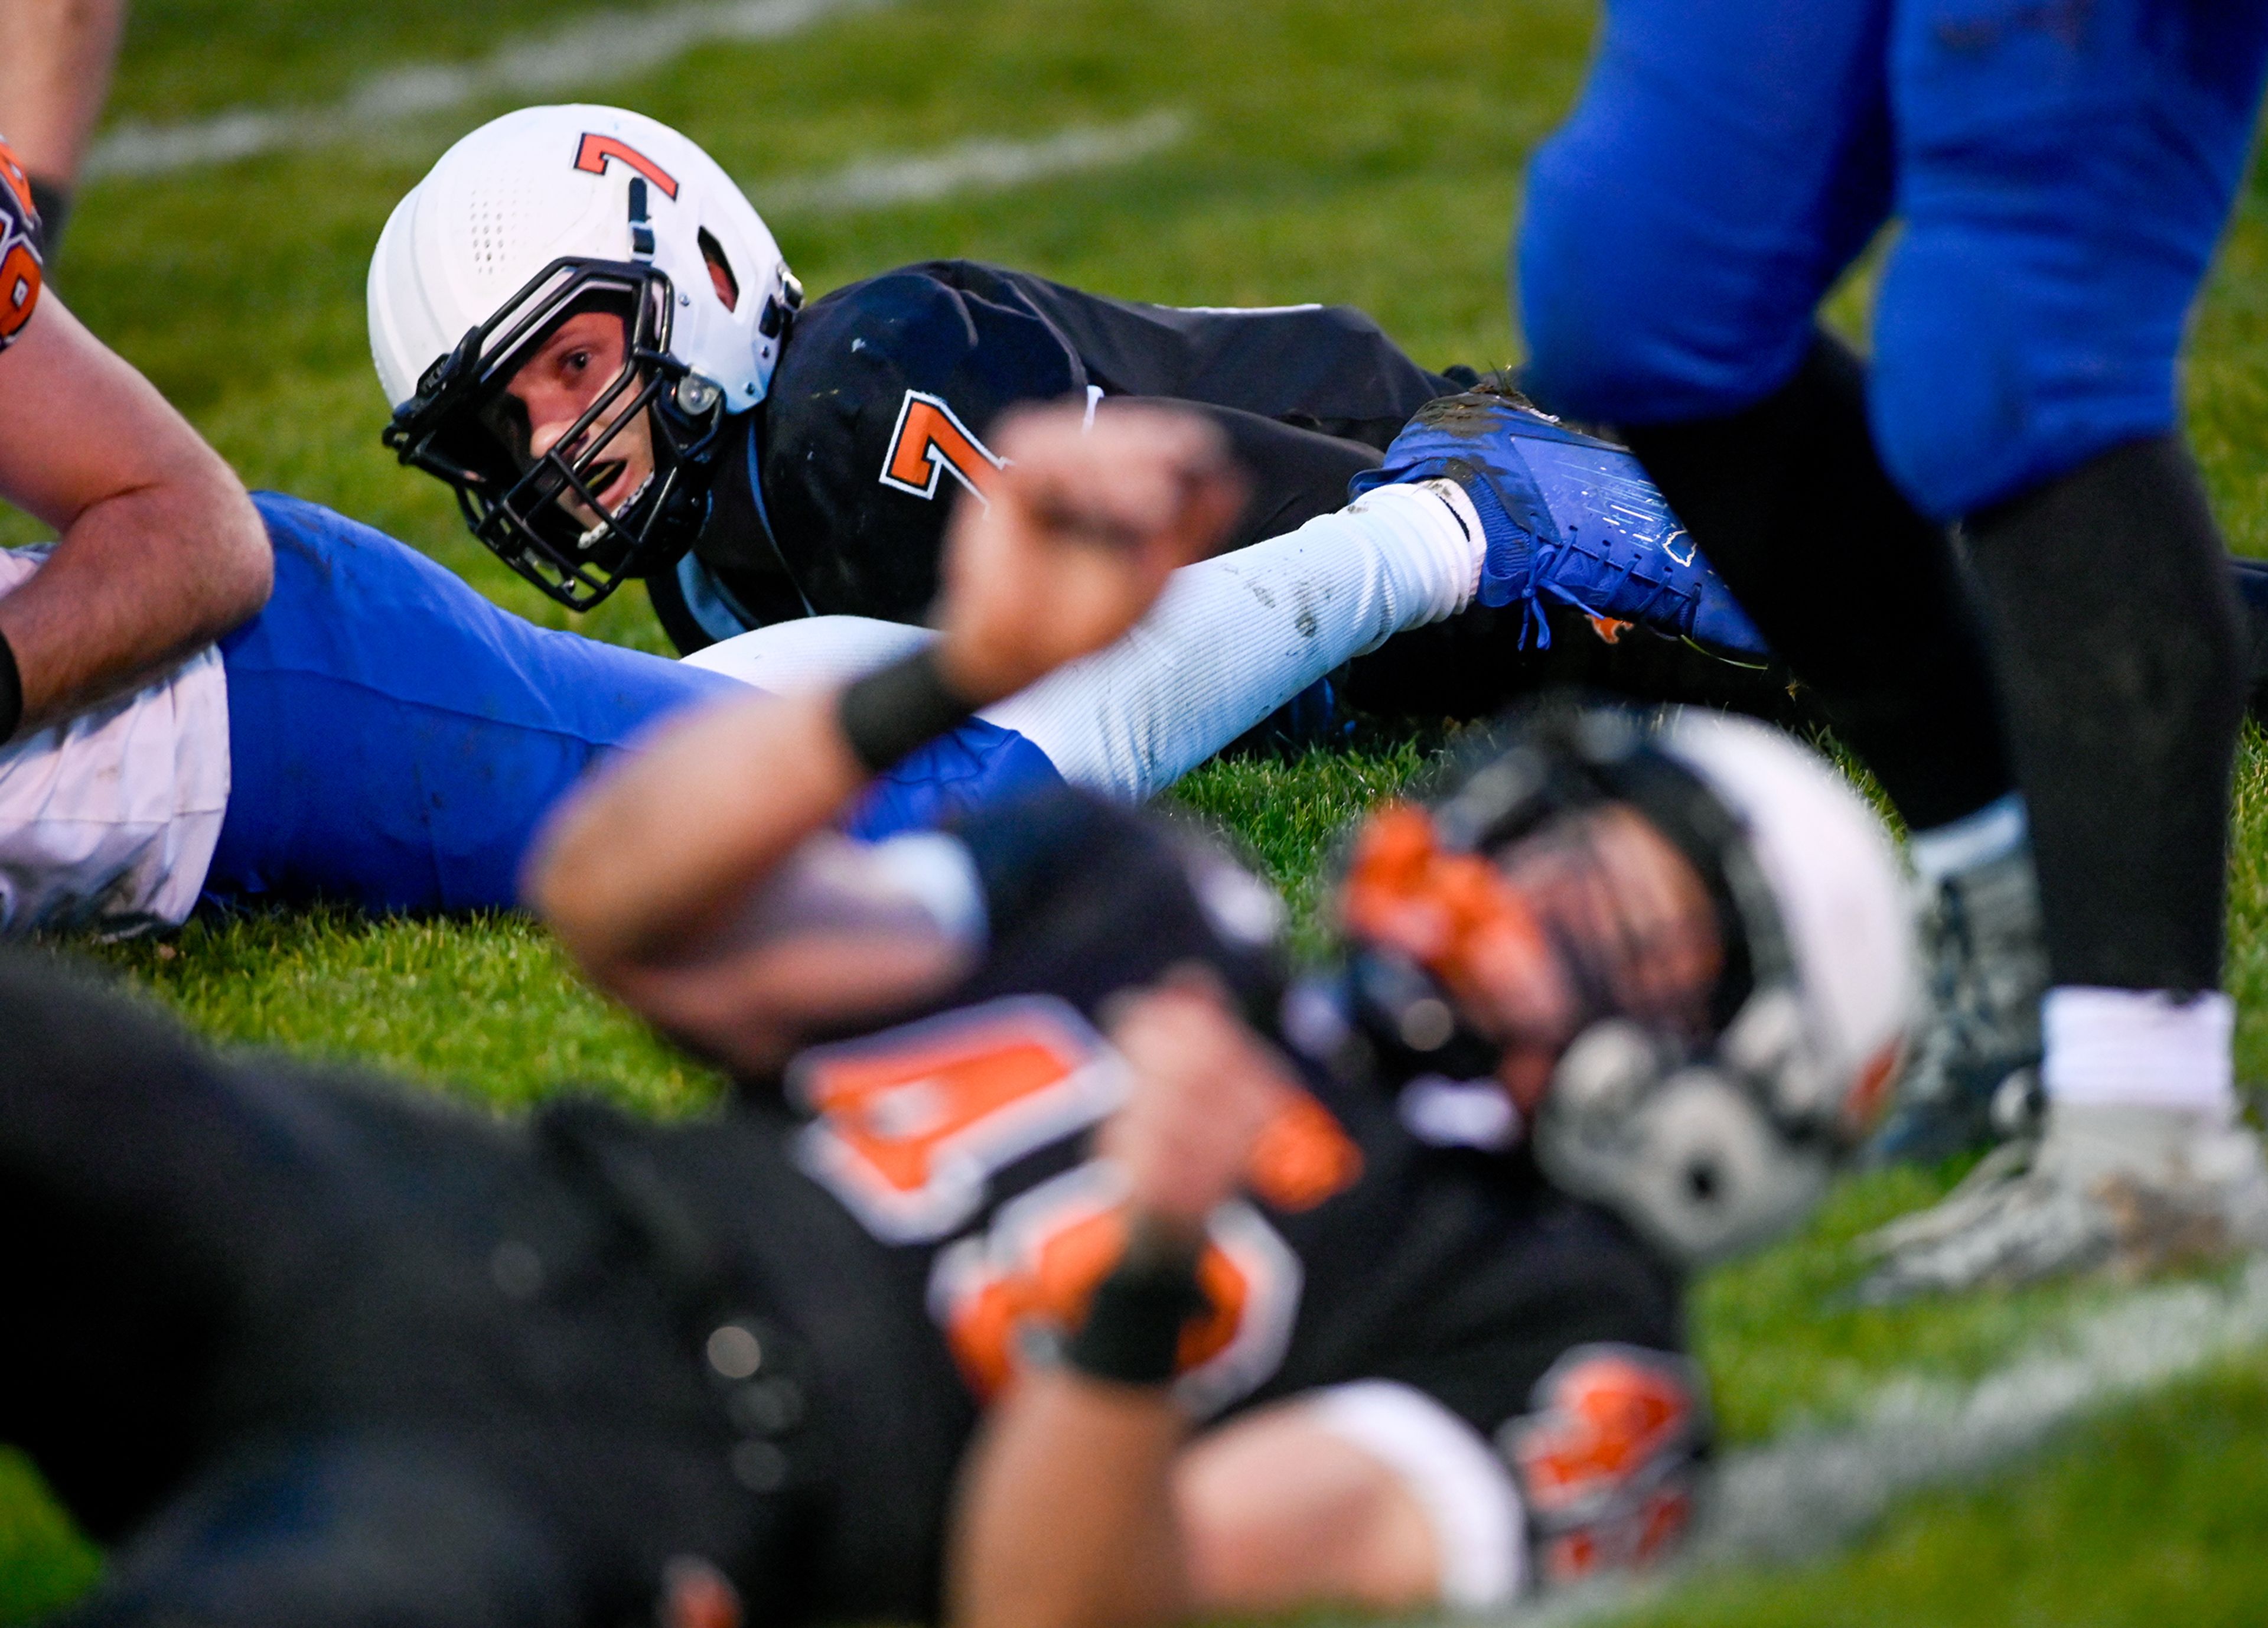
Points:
(1081, 530)
(1206, 1087)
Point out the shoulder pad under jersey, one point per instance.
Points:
(19, 253)
(1086, 898)
(876, 422)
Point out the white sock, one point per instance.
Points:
(1996, 829)
(1233, 638)
(1229, 641)
(2140, 1049)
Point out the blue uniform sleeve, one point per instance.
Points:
(979, 766)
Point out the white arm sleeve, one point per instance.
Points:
(1230, 640)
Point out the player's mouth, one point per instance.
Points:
(615, 508)
(603, 478)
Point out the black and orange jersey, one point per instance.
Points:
(834, 501)
(537, 1363)
(19, 251)
(958, 1144)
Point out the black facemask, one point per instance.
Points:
(464, 426)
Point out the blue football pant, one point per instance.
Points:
(2061, 172)
(396, 738)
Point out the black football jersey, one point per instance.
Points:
(835, 496)
(541, 1361)
(966, 1199)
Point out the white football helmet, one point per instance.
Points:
(531, 219)
(1709, 1149)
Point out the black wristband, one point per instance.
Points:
(11, 693)
(894, 709)
(1132, 1335)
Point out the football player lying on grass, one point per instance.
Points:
(770, 460)
(619, 377)
(382, 735)
(1259, 1321)
(583, 325)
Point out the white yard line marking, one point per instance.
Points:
(980, 165)
(1815, 1490)
(597, 49)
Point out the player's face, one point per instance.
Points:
(1595, 915)
(556, 385)
(1615, 893)
(1634, 930)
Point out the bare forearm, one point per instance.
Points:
(54, 77)
(1067, 1515)
(626, 878)
(138, 581)
(1068, 1518)
(161, 551)
(647, 869)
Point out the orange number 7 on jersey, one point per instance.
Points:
(930, 440)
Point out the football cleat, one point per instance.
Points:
(1569, 519)
(2125, 1191)
(1975, 1076)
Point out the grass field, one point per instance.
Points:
(1328, 150)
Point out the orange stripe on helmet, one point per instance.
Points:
(592, 156)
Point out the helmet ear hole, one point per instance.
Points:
(720, 270)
